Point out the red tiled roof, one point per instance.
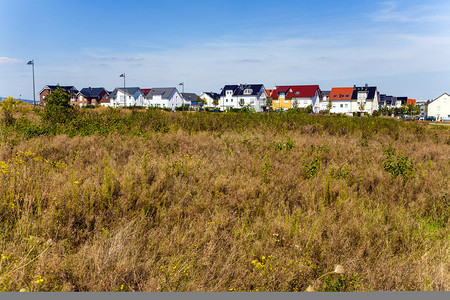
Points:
(146, 91)
(344, 93)
(296, 91)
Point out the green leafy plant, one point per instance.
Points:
(311, 168)
(287, 144)
(398, 165)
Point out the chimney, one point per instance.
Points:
(367, 85)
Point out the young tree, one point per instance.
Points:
(361, 108)
(269, 104)
(216, 102)
(241, 102)
(200, 101)
(58, 108)
(329, 106)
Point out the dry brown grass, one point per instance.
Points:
(201, 211)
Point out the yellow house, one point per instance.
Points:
(301, 96)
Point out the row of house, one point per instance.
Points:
(344, 100)
(132, 96)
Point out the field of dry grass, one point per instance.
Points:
(234, 203)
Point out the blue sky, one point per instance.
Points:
(400, 46)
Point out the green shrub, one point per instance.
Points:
(398, 165)
(8, 106)
(58, 108)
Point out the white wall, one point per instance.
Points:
(256, 102)
(341, 107)
(440, 107)
(208, 99)
(173, 101)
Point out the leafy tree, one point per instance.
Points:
(241, 102)
(361, 108)
(295, 103)
(58, 108)
(269, 104)
(329, 106)
(200, 100)
(216, 102)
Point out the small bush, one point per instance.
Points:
(8, 106)
(398, 165)
(286, 144)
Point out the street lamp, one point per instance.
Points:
(31, 62)
(124, 96)
(182, 96)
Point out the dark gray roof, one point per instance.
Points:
(189, 96)
(326, 93)
(92, 92)
(68, 88)
(404, 100)
(130, 91)
(238, 90)
(213, 95)
(370, 89)
(163, 92)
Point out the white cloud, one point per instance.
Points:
(424, 13)
(10, 61)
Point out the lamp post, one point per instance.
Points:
(124, 96)
(182, 96)
(31, 62)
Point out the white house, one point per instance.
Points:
(126, 97)
(209, 98)
(242, 95)
(341, 100)
(324, 101)
(165, 98)
(366, 97)
(349, 100)
(440, 108)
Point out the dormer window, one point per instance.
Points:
(248, 91)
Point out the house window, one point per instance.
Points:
(346, 105)
(248, 91)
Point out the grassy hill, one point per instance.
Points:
(146, 200)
